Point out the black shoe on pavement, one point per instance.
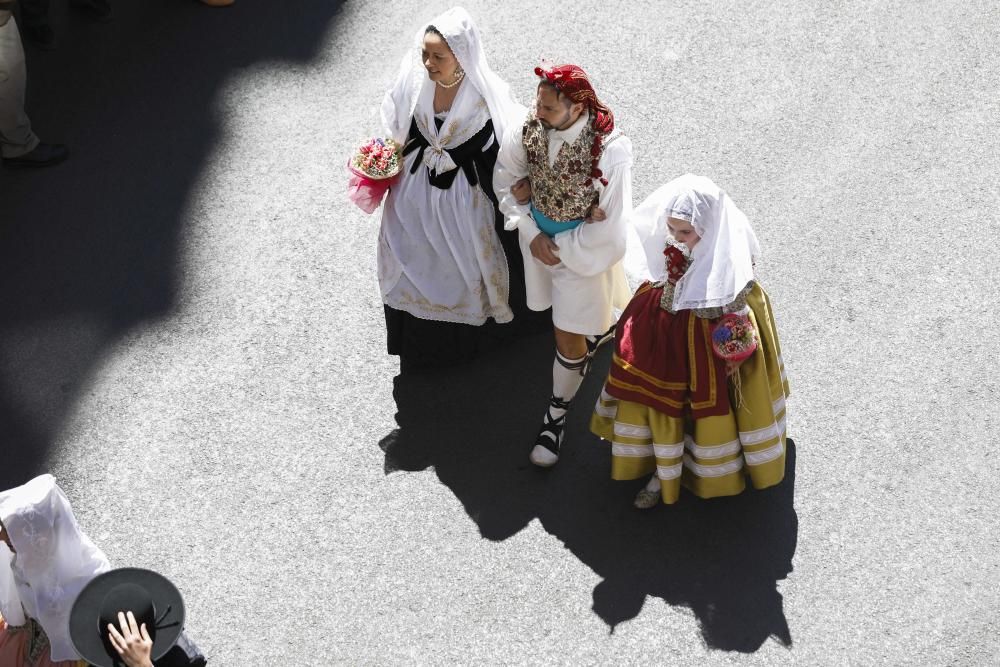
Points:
(44, 155)
(41, 35)
(99, 10)
(545, 453)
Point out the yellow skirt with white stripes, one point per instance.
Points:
(710, 456)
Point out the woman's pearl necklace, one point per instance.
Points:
(453, 83)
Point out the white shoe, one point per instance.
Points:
(543, 456)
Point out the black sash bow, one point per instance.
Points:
(470, 158)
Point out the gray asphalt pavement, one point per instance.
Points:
(191, 340)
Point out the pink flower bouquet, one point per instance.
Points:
(734, 338)
(374, 167)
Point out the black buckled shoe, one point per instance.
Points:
(43, 155)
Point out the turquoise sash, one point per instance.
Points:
(552, 227)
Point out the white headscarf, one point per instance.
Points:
(54, 560)
(412, 95)
(722, 260)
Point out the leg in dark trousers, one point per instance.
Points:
(35, 23)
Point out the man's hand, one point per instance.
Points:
(132, 643)
(595, 214)
(544, 250)
(521, 191)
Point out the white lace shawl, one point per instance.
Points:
(722, 260)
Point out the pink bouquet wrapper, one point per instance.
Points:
(734, 338)
(367, 192)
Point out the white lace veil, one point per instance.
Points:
(723, 258)
(413, 87)
(54, 560)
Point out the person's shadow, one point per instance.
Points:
(90, 249)
(721, 558)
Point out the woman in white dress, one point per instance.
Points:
(451, 279)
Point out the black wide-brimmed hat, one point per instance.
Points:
(150, 597)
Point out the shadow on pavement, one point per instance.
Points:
(721, 558)
(89, 249)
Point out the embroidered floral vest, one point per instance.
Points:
(563, 191)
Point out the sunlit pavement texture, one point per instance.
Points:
(191, 340)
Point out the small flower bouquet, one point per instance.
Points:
(374, 167)
(734, 338)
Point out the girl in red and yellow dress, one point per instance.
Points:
(674, 406)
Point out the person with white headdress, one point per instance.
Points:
(675, 404)
(448, 273)
(46, 561)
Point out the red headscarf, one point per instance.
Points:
(573, 82)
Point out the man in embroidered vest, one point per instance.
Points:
(564, 180)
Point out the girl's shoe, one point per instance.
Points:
(647, 499)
